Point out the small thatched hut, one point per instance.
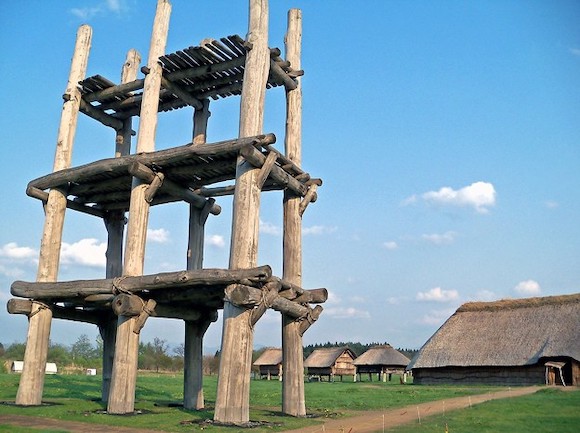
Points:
(509, 342)
(331, 362)
(270, 363)
(381, 360)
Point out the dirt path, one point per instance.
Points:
(372, 421)
(365, 422)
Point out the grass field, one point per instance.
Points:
(75, 398)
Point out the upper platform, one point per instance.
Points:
(212, 70)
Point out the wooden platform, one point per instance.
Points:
(186, 171)
(212, 70)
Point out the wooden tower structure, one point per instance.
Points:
(121, 190)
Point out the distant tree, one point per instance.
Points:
(15, 351)
(59, 354)
(1, 350)
(82, 351)
(180, 350)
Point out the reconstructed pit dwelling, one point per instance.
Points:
(121, 190)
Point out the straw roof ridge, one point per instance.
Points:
(504, 304)
(505, 333)
(382, 355)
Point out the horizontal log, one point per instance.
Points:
(111, 92)
(43, 196)
(279, 74)
(120, 165)
(100, 116)
(144, 173)
(131, 305)
(181, 94)
(312, 296)
(257, 159)
(24, 306)
(249, 297)
(168, 280)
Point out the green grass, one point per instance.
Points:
(76, 398)
(548, 410)
(5, 428)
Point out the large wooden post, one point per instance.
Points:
(195, 330)
(32, 379)
(293, 401)
(233, 393)
(123, 381)
(115, 225)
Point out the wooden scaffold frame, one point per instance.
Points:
(121, 190)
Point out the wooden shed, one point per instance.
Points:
(508, 342)
(331, 362)
(381, 360)
(270, 363)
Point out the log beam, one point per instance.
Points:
(32, 379)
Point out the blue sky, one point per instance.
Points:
(447, 135)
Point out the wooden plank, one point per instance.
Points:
(32, 379)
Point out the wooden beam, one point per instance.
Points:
(144, 173)
(293, 399)
(233, 392)
(166, 280)
(32, 379)
(100, 116)
(122, 394)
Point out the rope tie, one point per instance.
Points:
(118, 288)
(41, 306)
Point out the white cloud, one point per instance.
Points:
(479, 195)
(390, 245)
(99, 9)
(528, 288)
(159, 236)
(11, 271)
(436, 317)
(12, 251)
(358, 299)
(318, 230)
(441, 239)
(347, 313)
(551, 204)
(86, 252)
(269, 228)
(437, 294)
(216, 241)
(575, 51)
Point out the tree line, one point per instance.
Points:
(153, 356)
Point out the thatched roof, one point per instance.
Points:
(382, 355)
(505, 333)
(270, 356)
(323, 358)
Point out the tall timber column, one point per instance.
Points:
(293, 401)
(122, 393)
(115, 224)
(32, 379)
(195, 330)
(233, 393)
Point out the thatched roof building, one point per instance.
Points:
(381, 360)
(270, 363)
(331, 362)
(522, 341)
